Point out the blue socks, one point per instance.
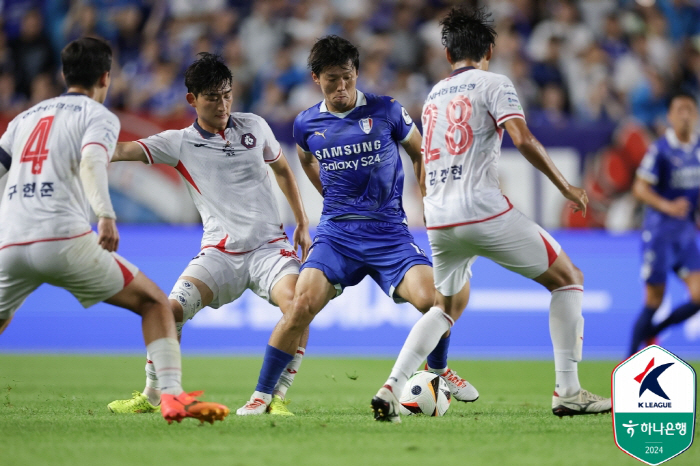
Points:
(643, 329)
(274, 363)
(437, 359)
(679, 314)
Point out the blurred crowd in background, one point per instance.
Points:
(574, 63)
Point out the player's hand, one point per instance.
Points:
(579, 197)
(107, 234)
(679, 208)
(303, 239)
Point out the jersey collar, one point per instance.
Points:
(461, 70)
(206, 134)
(676, 144)
(359, 102)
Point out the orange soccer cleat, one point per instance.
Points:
(176, 408)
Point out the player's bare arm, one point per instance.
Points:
(535, 153)
(288, 184)
(93, 174)
(678, 207)
(129, 151)
(412, 147)
(311, 168)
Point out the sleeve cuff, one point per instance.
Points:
(410, 133)
(647, 176)
(279, 154)
(510, 116)
(147, 151)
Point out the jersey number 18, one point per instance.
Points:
(459, 111)
(35, 152)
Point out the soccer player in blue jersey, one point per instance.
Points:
(668, 182)
(348, 146)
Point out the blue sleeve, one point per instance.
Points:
(299, 132)
(651, 166)
(399, 119)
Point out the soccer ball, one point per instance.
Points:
(425, 393)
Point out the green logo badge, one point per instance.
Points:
(653, 396)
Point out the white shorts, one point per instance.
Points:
(229, 275)
(79, 265)
(511, 240)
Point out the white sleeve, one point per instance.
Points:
(163, 147)
(6, 142)
(93, 174)
(102, 130)
(271, 147)
(502, 100)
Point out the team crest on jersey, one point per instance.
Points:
(366, 125)
(248, 140)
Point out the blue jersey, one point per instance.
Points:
(358, 153)
(673, 169)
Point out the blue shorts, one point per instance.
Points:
(346, 251)
(675, 250)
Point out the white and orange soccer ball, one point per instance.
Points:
(425, 393)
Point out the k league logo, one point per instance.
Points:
(653, 400)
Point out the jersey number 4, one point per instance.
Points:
(459, 135)
(35, 152)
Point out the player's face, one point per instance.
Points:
(683, 115)
(213, 107)
(338, 87)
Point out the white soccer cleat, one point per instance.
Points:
(253, 407)
(386, 406)
(460, 389)
(584, 402)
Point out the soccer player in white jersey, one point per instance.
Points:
(467, 215)
(222, 157)
(55, 155)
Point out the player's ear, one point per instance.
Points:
(489, 53)
(447, 54)
(104, 80)
(191, 99)
(315, 77)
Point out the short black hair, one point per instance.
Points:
(207, 73)
(332, 51)
(467, 33)
(84, 60)
(682, 94)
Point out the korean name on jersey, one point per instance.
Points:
(462, 132)
(44, 195)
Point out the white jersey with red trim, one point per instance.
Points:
(44, 199)
(227, 179)
(462, 130)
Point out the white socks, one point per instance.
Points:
(424, 335)
(165, 354)
(566, 331)
(152, 390)
(289, 373)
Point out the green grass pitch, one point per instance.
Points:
(53, 412)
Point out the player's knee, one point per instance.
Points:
(187, 295)
(301, 312)
(424, 300)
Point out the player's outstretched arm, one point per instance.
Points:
(535, 153)
(678, 207)
(93, 174)
(129, 151)
(311, 168)
(288, 184)
(412, 147)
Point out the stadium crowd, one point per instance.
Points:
(594, 60)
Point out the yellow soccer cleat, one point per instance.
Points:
(278, 407)
(138, 403)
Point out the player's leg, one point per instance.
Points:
(313, 291)
(452, 272)
(17, 281)
(657, 259)
(188, 296)
(643, 328)
(687, 266)
(3, 324)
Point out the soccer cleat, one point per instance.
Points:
(138, 403)
(176, 408)
(278, 407)
(460, 389)
(385, 405)
(584, 402)
(253, 407)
